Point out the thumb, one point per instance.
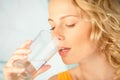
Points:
(41, 70)
(26, 44)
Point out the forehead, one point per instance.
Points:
(62, 7)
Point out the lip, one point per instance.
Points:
(63, 51)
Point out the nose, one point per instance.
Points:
(59, 35)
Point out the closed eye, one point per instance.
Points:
(70, 25)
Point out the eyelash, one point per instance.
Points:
(71, 25)
(52, 28)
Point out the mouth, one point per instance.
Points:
(63, 51)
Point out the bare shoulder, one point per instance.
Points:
(53, 77)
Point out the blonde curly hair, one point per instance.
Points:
(105, 17)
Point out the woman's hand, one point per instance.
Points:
(12, 72)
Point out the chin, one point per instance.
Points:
(68, 62)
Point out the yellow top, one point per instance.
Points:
(64, 76)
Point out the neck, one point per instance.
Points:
(96, 68)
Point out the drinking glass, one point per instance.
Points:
(43, 49)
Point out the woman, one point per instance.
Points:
(88, 33)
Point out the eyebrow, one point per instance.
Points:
(49, 19)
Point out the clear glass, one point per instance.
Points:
(43, 49)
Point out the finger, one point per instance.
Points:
(13, 70)
(44, 68)
(26, 44)
(20, 54)
(14, 58)
(41, 70)
(22, 51)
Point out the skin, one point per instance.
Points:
(22, 52)
(73, 32)
(67, 21)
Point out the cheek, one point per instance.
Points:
(80, 52)
(80, 37)
(81, 43)
(81, 33)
